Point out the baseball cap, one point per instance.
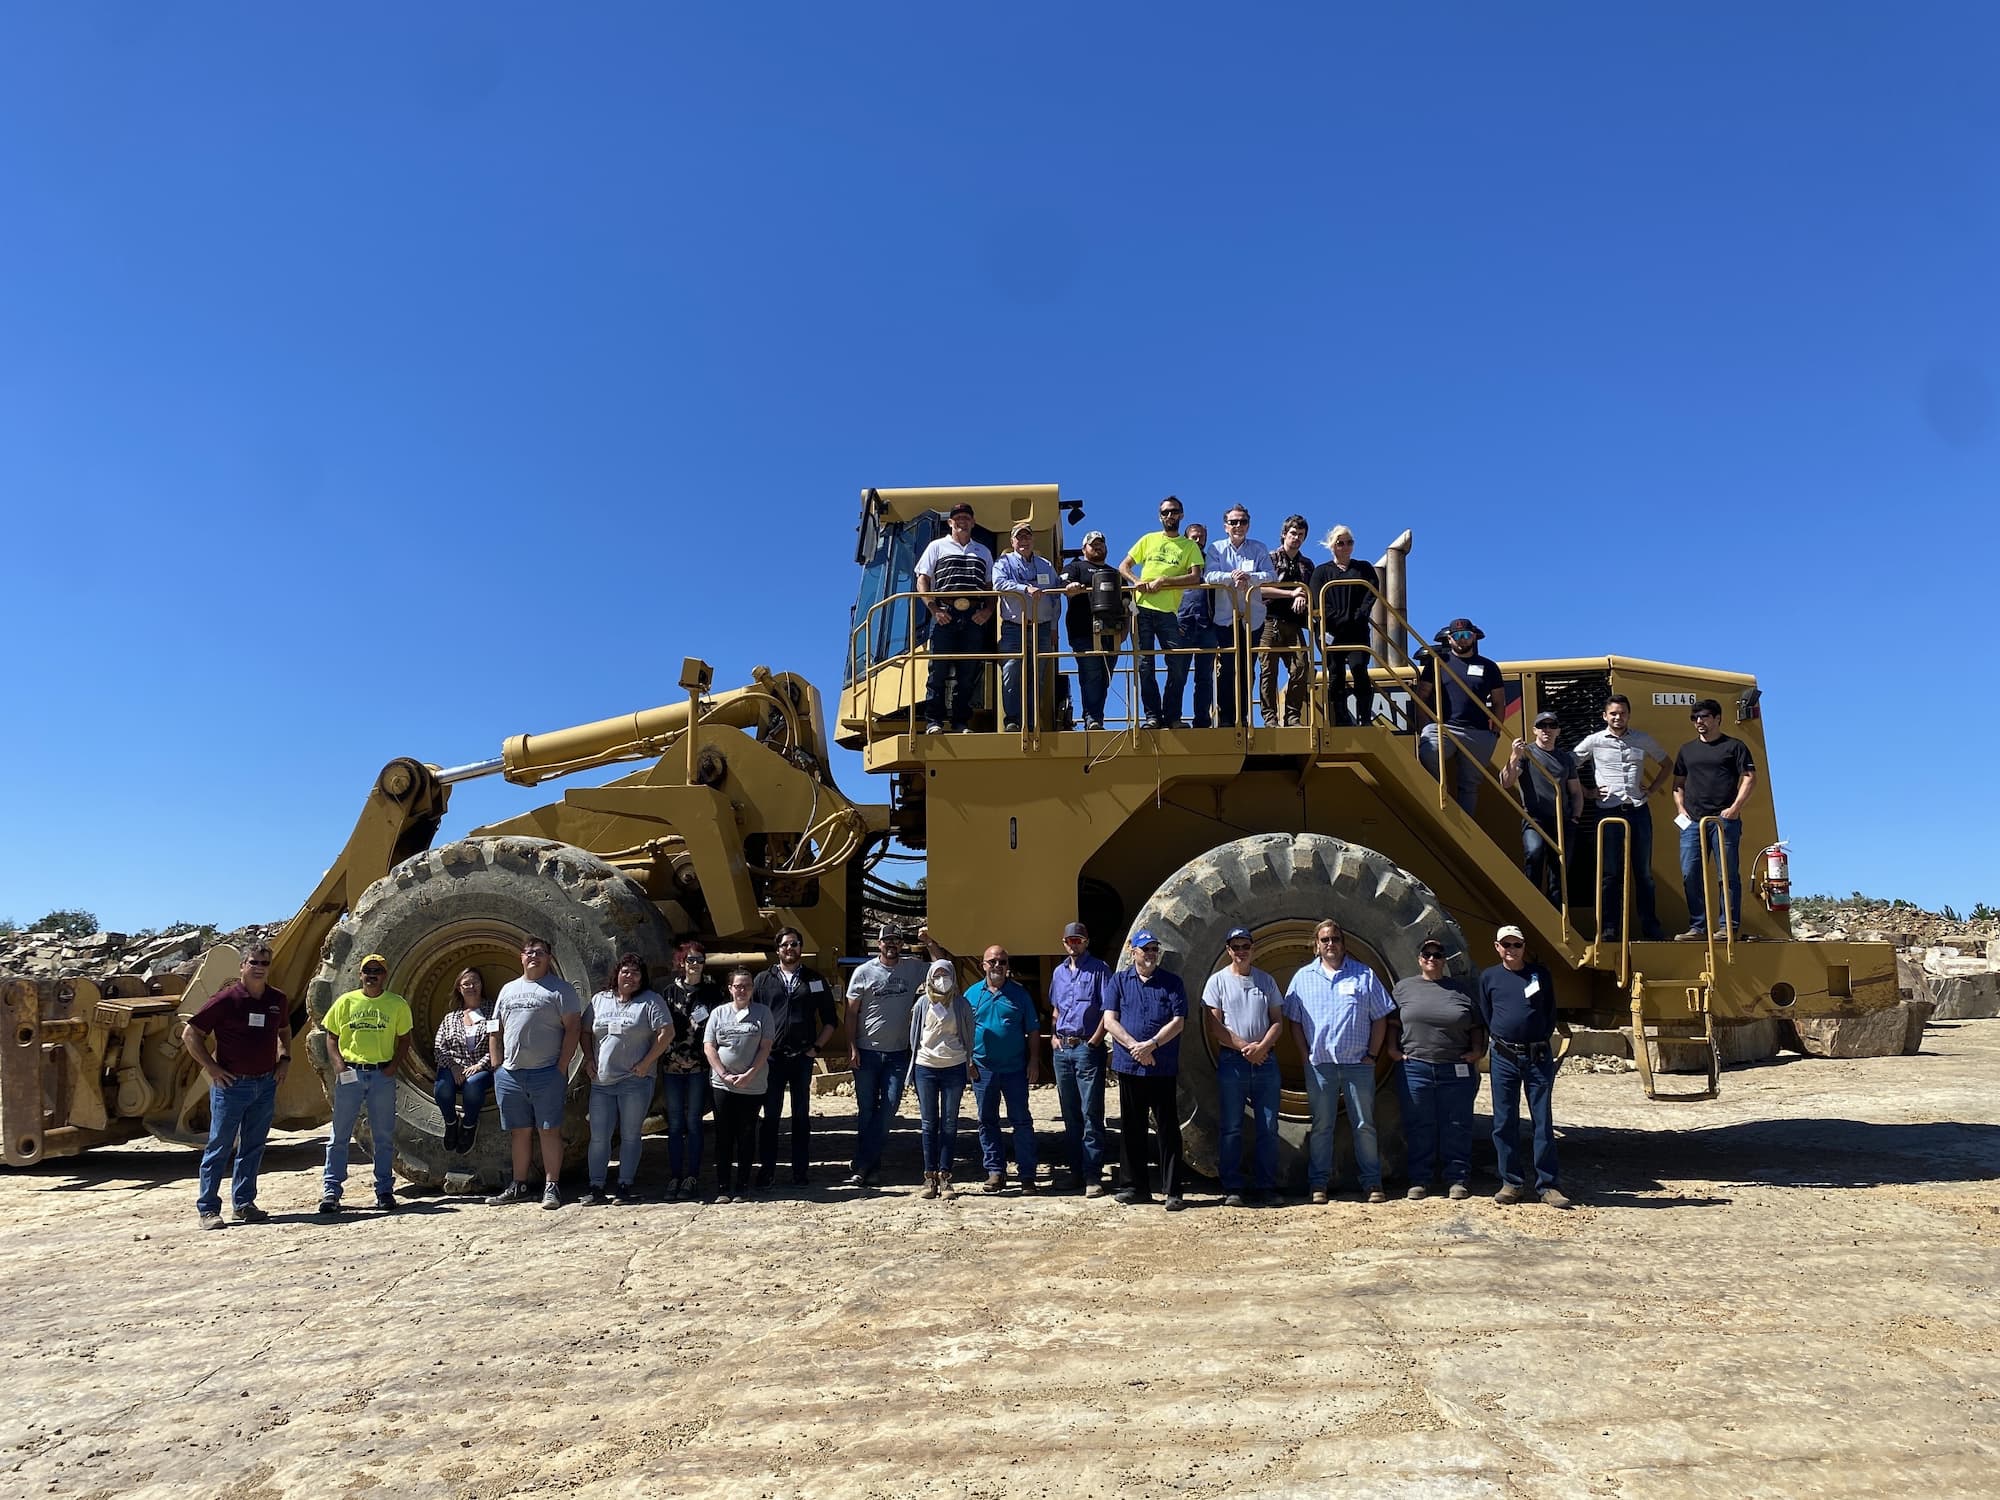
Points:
(1021, 526)
(1236, 934)
(1430, 948)
(1461, 623)
(890, 930)
(1076, 929)
(1546, 716)
(1095, 536)
(1144, 940)
(1510, 931)
(963, 508)
(374, 958)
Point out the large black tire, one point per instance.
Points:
(471, 904)
(1280, 885)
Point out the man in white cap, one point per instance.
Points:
(1030, 599)
(1517, 1001)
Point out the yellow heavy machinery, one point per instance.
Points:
(732, 826)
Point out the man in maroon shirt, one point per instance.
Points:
(241, 1040)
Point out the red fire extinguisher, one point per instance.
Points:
(1774, 877)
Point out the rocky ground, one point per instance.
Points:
(1787, 1292)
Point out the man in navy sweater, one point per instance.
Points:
(1517, 1001)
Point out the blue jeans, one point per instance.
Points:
(449, 1093)
(1159, 628)
(239, 1120)
(1010, 670)
(1722, 851)
(1080, 1090)
(989, 1090)
(1231, 706)
(1203, 637)
(954, 675)
(374, 1091)
(686, 1093)
(1612, 876)
(1093, 679)
(1469, 750)
(623, 1105)
(1237, 1081)
(878, 1094)
(1437, 1113)
(1510, 1075)
(1327, 1086)
(940, 1091)
(1538, 859)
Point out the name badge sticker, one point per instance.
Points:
(346, 1075)
(1534, 988)
(1465, 1070)
(257, 1018)
(818, 986)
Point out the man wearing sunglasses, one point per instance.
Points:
(1004, 1068)
(1517, 1005)
(367, 1036)
(240, 1039)
(1238, 568)
(1713, 774)
(1160, 565)
(1245, 1016)
(1472, 690)
(1340, 1015)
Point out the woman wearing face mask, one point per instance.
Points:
(684, 1076)
(940, 1065)
(464, 1068)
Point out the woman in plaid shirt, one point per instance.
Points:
(464, 1064)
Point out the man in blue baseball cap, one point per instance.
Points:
(1145, 1013)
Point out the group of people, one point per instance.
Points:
(1232, 615)
(743, 1050)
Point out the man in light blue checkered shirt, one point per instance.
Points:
(1339, 1011)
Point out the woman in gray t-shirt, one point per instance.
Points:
(738, 1042)
(625, 1029)
(1435, 1042)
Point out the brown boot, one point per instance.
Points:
(945, 1189)
(930, 1185)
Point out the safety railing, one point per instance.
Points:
(1624, 891)
(1715, 890)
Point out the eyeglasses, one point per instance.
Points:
(1430, 957)
(1235, 520)
(1704, 714)
(788, 943)
(1512, 943)
(374, 973)
(1346, 541)
(1239, 947)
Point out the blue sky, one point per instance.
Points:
(390, 380)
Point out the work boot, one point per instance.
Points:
(212, 1221)
(250, 1213)
(945, 1190)
(1233, 1200)
(1319, 1195)
(329, 1206)
(513, 1192)
(1093, 1190)
(994, 1183)
(930, 1185)
(1459, 1192)
(1417, 1193)
(1376, 1195)
(1509, 1193)
(454, 1137)
(1554, 1198)
(386, 1202)
(1130, 1196)
(1692, 935)
(1175, 1203)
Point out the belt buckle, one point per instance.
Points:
(961, 604)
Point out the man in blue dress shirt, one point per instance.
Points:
(1339, 1013)
(1077, 992)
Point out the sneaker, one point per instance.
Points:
(1093, 1190)
(673, 1190)
(801, 1179)
(593, 1197)
(1459, 1192)
(855, 1180)
(690, 1187)
(1234, 1200)
(250, 1213)
(451, 1135)
(1175, 1205)
(1554, 1198)
(1376, 1195)
(1010, 727)
(1093, 723)
(551, 1197)
(1509, 1194)
(1417, 1193)
(386, 1202)
(212, 1221)
(930, 1185)
(723, 1197)
(961, 729)
(467, 1134)
(1692, 935)
(1130, 1196)
(329, 1205)
(626, 1193)
(513, 1192)
(928, 729)
(1151, 721)
(994, 1183)
(1319, 1195)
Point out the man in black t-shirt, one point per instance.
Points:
(1552, 794)
(1094, 623)
(1713, 774)
(1473, 700)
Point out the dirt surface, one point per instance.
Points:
(1787, 1292)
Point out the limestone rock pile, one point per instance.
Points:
(99, 955)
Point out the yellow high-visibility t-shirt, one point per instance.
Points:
(1157, 555)
(367, 1030)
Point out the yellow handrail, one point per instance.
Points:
(1720, 902)
(1624, 893)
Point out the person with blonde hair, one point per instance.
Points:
(1344, 591)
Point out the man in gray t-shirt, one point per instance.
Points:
(880, 997)
(538, 1020)
(1245, 1016)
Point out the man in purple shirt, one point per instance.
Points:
(1077, 992)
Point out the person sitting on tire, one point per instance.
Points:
(367, 1036)
(464, 1062)
(1435, 1039)
(684, 1071)
(540, 1020)
(1340, 1013)
(629, 1028)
